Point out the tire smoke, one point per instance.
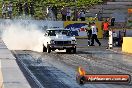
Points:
(22, 35)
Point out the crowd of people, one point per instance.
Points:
(67, 14)
(23, 8)
(26, 8)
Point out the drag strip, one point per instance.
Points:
(48, 75)
(58, 70)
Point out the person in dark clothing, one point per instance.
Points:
(9, 9)
(68, 15)
(99, 16)
(54, 10)
(94, 35)
(75, 13)
(89, 33)
(26, 9)
(112, 21)
(63, 12)
(20, 10)
(31, 7)
(4, 9)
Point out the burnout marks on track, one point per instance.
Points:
(48, 76)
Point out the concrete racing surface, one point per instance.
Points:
(58, 69)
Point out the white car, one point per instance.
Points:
(58, 38)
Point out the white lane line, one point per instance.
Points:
(31, 74)
(1, 77)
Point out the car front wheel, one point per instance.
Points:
(68, 50)
(48, 49)
(74, 50)
(44, 49)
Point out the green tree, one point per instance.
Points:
(40, 5)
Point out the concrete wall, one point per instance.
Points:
(10, 73)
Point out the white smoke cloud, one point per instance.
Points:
(22, 36)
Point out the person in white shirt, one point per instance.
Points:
(68, 15)
(94, 35)
(82, 15)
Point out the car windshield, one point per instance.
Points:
(54, 32)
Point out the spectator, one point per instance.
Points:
(9, 8)
(99, 16)
(4, 8)
(20, 8)
(76, 15)
(82, 15)
(54, 10)
(68, 14)
(63, 12)
(94, 34)
(105, 29)
(112, 21)
(26, 9)
(50, 13)
(95, 18)
(31, 7)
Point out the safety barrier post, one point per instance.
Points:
(110, 42)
